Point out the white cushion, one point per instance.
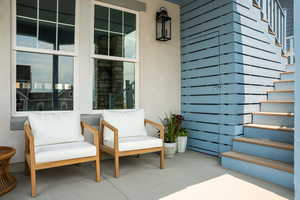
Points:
(136, 143)
(64, 151)
(54, 128)
(129, 123)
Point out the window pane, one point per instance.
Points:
(47, 10)
(27, 8)
(66, 11)
(129, 35)
(101, 42)
(116, 45)
(66, 38)
(101, 18)
(130, 45)
(44, 82)
(114, 85)
(129, 23)
(26, 32)
(116, 21)
(47, 35)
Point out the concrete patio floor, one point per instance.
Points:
(190, 175)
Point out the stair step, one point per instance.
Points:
(277, 106)
(281, 91)
(267, 143)
(260, 161)
(278, 101)
(287, 76)
(270, 127)
(264, 148)
(291, 67)
(284, 84)
(267, 132)
(274, 114)
(273, 118)
(281, 95)
(266, 169)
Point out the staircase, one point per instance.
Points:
(266, 149)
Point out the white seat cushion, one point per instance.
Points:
(136, 143)
(54, 128)
(129, 123)
(64, 151)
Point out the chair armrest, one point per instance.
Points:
(92, 130)
(115, 132)
(29, 143)
(158, 126)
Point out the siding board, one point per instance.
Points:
(228, 62)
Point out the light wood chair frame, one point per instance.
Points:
(31, 166)
(117, 154)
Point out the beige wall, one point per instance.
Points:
(159, 68)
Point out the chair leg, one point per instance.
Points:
(117, 166)
(162, 159)
(33, 182)
(27, 170)
(98, 170)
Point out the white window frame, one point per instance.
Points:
(94, 56)
(15, 48)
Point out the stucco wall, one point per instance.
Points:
(159, 68)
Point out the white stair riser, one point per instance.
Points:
(283, 96)
(264, 151)
(273, 120)
(285, 86)
(287, 76)
(269, 174)
(274, 135)
(277, 107)
(291, 68)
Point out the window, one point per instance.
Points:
(115, 58)
(44, 55)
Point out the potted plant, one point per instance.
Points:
(182, 140)
(172, 125)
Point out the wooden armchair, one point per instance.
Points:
(118, 140)
(48, 151)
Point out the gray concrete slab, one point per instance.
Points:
(141, 179)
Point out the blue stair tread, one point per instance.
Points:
(260, 161)
(270, 127)
(269, 143)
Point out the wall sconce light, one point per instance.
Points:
(163, 25)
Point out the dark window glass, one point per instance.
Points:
(116, 45)
(101, 18)
(27, 8)
(26, 33)
(114, 85)
(66, 11)
(47, 10)
(129, 23)
(65, 38)
(101, 42)
(44, 82)
(47, 35)
(116, 21)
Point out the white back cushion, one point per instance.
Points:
(54, 128)
(129, 123)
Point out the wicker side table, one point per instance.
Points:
(7, 181)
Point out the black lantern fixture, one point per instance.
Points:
(163, 25)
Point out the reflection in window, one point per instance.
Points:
(26, 32)
(114, 32)
(44, 82)
(114, 85)
(55, 28)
